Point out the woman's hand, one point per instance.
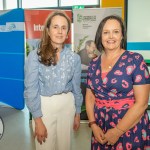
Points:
(40, 131)
(112, 135)
(76, 123)
(98, 134)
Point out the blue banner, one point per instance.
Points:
(12, 57)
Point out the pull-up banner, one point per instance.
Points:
(86, 22)
(12, 57)
(34, 23)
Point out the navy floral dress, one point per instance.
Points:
(114, 96)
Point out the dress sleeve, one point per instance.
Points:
(31, 82)
(141, 73)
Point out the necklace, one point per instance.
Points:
(114, 59)
(109, 66)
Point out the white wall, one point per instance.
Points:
(138, 26)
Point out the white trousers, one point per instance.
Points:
(58, 116)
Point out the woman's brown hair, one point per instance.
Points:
(98, 37)
(46, 52)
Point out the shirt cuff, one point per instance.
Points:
(78, 110)
(37, 114)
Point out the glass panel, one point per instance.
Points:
(39, 3)
(78, 2)
(1, 4)
(11, 4)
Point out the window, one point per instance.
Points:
(1, 4)
(39, 3)
(11, 4)
(78, 2)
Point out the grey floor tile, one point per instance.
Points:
(18, 131)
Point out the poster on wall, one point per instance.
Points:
(34, 23)
(86, 22)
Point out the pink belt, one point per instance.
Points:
(116, 104)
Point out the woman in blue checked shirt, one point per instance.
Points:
(52, 86)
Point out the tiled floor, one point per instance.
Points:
(18, 131)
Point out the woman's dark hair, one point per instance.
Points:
(98, 37)
(46, 51)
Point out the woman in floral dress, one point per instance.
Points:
(118, 85)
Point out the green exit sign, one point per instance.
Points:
(78, 7)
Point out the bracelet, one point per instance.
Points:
(92, 122)
(120, 129)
